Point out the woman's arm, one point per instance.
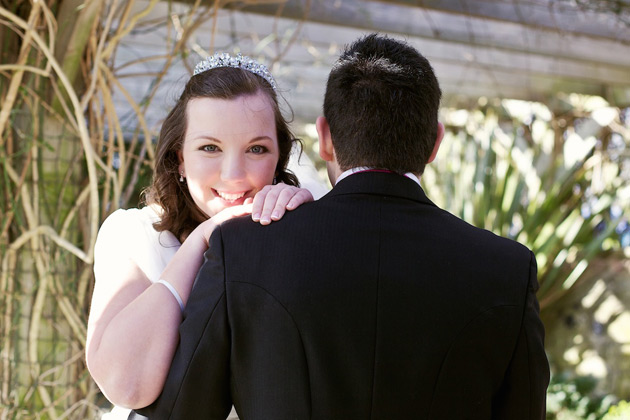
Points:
(133, 323)
(132, 329)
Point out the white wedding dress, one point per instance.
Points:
(130, 234)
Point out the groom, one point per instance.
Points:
(372, 302)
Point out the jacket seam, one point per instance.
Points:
(378, 282)
(457, 335)
(296, 328)
(188, 367)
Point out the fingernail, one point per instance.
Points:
(256, 217)
(265, 220)
(275, 215)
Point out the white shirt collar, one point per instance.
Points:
(351, 171)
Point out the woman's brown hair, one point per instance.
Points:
(180, 213)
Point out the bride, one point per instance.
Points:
(222, 152)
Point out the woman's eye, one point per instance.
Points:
(258, 149)
(210, 148)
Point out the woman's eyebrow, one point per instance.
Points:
(261, 138)
(204, 137)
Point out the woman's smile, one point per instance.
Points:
(231, 198)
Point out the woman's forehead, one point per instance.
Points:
(247, 115)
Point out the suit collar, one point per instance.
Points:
(380, 183)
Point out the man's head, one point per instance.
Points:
(381, 108)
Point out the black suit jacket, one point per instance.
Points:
(371, 303)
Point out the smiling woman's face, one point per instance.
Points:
(230, 150)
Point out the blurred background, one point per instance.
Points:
(536, 106)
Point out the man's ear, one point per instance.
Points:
(438, 141)
(326, 150)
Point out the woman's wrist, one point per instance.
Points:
(204, 230)
(174, 292)
(182, 269)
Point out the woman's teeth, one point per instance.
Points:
(230, 197)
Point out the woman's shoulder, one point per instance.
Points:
(135, 224)
(148, 214)
(130, 233)
(129, 221)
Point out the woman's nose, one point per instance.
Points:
(232, 168)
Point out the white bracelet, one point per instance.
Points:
(171, 289)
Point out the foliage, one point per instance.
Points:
(575, 398)
(618, 412)
(559, 182)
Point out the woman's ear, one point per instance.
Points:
(180, 158)
(326, 150)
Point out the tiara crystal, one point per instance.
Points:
(238, 62)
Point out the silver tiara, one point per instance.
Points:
(238, 62)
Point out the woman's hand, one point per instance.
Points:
(272, 201)
(269, 204)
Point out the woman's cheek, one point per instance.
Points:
(270, 170)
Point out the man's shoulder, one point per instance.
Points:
(482, 237)
(291, 217)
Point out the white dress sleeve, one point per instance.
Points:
(130, 234)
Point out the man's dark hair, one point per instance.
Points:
(381, 103)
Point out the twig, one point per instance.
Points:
(139, 114)
(16, 80)
(23, 68)
(84, 136)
